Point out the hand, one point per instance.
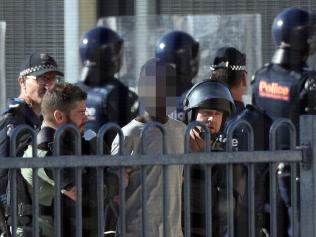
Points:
(71, 193)
(196, 141)
(128, 170)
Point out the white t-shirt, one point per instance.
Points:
(153, 145)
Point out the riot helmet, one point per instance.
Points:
(294, 28)
(181, 50)
(103, 48)
(208, 94)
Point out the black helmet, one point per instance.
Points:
(102, 47)
(208, 94)
(294, 28)
(182, 50)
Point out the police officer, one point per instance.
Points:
(209, 102)
(109, 100)
(182, 51)
(229, 65)
(285, 87)
(38, 73)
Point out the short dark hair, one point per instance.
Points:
(226, 75)
(61, 97)
(228, 66)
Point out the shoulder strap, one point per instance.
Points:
(45, 139)
(6, 119)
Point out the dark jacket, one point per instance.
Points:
(45, 142)
(109, 100)
(260, 123)
(17, 113)
(219, 192)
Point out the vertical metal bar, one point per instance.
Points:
(35, 202)
(208, 186)
(122, 221)
(251, 200)
(251, 185)
(78, 202)
(273, 215)
(102, 212)
(208, 198)
(294, 195)
(187, 177)
(78, 174)
(13, 201)
(230, 200)
(308, 176)
(57, 205)
(273, 186)
(78, 179)
(294, 217)
(144, 200)
(100, 201)
(187, 207)
(147, 127)
(272, 137)
(13, 179)
(229, 174)
(57, 190)
(229, 184)
(165, 201)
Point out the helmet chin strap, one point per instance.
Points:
(289, 58)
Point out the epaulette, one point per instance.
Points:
(15, 103)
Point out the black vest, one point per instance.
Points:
(112, 102)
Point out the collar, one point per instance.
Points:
(240, 106)
(24, 113)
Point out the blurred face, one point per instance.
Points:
(212, 118)
(35, 87)
(153, 96)
(157, 88)
(77, 115)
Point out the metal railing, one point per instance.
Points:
(207, 158)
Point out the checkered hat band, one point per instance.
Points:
(232, 67)
(37, 68)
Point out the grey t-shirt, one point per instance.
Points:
(153, 145)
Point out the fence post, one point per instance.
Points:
(308, 177)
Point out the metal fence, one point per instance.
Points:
(303, 218)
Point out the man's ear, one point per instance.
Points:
(21, 81)
(59, 117)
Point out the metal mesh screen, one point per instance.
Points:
(268, 9)
(33, 25)
(240, 31)
(2, 65)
